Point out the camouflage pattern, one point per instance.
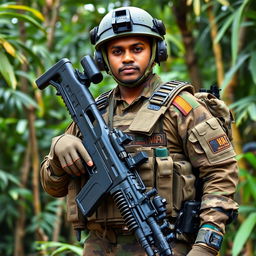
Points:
(196, 137)
(126, 245)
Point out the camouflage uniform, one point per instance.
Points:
(197, 145)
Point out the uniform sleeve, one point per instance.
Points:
(195, 132)
(56, 186)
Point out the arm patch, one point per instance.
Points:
(181, 104)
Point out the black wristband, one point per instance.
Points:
(209, 237)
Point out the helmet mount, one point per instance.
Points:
(121, 21)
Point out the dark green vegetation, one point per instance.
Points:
(208, 41)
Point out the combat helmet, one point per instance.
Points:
(126, 21)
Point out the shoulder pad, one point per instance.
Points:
(103, 100)
(165, 94)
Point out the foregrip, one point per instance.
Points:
(114, 171)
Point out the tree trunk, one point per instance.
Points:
(51, 12)
(32, 158)
(216, 46)
(180, 11)
(20, 222)
(57, 225)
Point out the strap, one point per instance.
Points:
(166, 93)
(210, 238)
(159, 102)
(103, 100)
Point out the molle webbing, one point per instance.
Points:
(161, 99)
(103, 100)
(165, 94)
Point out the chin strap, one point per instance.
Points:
(141, 79)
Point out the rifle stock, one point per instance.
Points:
(114, 171)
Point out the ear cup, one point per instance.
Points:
(93, 35)
(99, 60)
(159, 27)
(161, 51)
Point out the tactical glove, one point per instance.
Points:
(69, 155)
(198, 250)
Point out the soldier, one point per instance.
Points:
(184, 141)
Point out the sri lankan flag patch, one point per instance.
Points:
(219, 143)
(183, 105)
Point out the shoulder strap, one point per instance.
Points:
(165, 94)
(103, 100)
(159, 102)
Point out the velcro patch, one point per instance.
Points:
(180, 103)
(219, 143)
(156, 139)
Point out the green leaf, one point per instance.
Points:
(61, 247)
(243, 234)
(252, 65)
(6, 69)
(25, 99)
(176, 42)
(25, 8)
(235, 31)
(23, 17)
(224, 2)
(21, 126)
(233, 70)
(252, 111)
(246, 209)
(251, 158)
(224, 28)
(252, 184)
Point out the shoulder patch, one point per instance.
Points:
(182, 105)
(219, 143)
(184, 102)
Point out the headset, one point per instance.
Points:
(122, 22)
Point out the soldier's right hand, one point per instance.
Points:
(71, 154)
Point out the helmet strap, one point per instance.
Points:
(141, 79)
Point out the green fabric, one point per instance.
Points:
(210, 226)
(191, 100)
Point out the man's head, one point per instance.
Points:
(129, 24)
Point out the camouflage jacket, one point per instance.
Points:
(189, 132)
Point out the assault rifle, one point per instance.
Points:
(114, 171)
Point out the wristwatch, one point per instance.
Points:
(210, 238)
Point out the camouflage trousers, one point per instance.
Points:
(124, 245)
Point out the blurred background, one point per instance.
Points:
(209, 42)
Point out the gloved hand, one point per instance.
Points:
(198, 250)
(69, 151)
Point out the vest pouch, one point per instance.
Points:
(164, 178)
(73, 213)
(146, 170)
(183, 184)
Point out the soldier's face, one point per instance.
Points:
(129, 57)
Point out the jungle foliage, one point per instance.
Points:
(210, 41)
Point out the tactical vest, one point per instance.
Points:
(174, 180)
